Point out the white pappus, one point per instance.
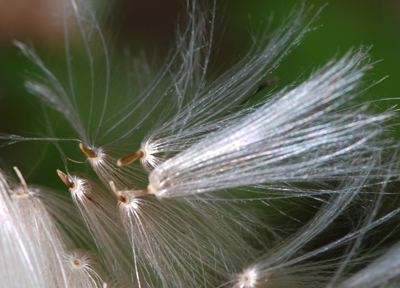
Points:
(208, 104)
(221, 164)
(308, 134)
(33, 246)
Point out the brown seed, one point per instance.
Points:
(89, 153)
(128, 159)
(65, 179)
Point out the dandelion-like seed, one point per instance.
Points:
(105, 166)
(198, 199)
(97, 208)
(128, 159)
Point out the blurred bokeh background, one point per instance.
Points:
(148, 26)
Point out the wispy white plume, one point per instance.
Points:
(64, 97)
(43, 234)
(30, 240)
(382, 272)
(82, 271)
(308, 134)
(67, 219)
(208, 102)
(217, 165)
(188, 243)
(274, 267)
(288, 263)
(99, 211)
(19, 265)
(196, 108)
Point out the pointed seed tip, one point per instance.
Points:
(21, 178)
(65, 179)
(88, 152)
(128, 159)
(59, 172)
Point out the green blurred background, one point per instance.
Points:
(149, 27)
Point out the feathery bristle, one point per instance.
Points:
(308, 134)
(218, 163)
